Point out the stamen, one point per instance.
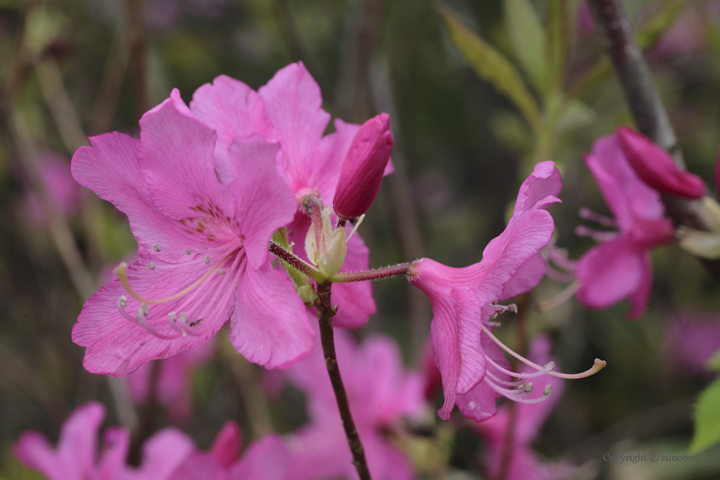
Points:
(121, 272)
(545, 370)
(587, 214)
(557, 275)
(516, 383)
(597, 366)
(188, 251)
(206, 260)
(597, 235)
(156, 248)
(355, 227)
(221, 271)
(151, 266)
(502, 309)
(562, 297)
(141, 317)
(519, 398)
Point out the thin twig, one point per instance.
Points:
(645, 104)
(110, 85)
(325, 314)
(136, 43)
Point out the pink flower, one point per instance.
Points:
(206, 242)
(380, 392)
(362, 170)
(60, 187)
(692, 340)
(656, 167)
(173, 384)
(619, 267)
(76, 457)
(266, 459)
(523, 463)
(463, 298)
(289, 110)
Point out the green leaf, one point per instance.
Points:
(560, 26)
(528, 40)
(492, 66)
(707, 418)
(714, 362)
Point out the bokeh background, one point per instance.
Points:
(73, 68)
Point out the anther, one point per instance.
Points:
(151, 266)
(547, 390)
(221, 271)
(156, 248)
(122, 301)
(206, 260)
(528, 387)
(188, 251)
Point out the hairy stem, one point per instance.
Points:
(376, 274)
(645, 105)
(325, 313)
(297, 263)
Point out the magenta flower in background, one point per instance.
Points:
(266, 459)
(656, 167)
(76, 456)
(380, 393)
(289, 110)
(523, 463)
(206, 242)
(692, 339)
(619, 267)
(59, 185)
(174, 380)
(463, 298)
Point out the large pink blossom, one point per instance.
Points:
(619, 267)
(523, 463)
(380, 393)
(173, 383)
(76, 456)
(289, 110)
(207, 254)
(463, 298)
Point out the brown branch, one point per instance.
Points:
(645, 104)
(325, 313)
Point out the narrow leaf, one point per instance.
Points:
(491, 66)
(528, 40)
(707, 418)
(560, 26)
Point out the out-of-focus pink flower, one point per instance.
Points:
(363, 167)
(206, 241)
(656, 167)
(692, 339)
(60, 187)
(380, 392)
(619, 267)
(685, 37)
(266, 459)
(173, 385)
(289, 110)
(463, 298)
(523, 462)
(76, 456)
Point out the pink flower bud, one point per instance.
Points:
(362, 170)
(656, 167)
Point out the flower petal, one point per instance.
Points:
(176, 157)
(269, 326)
(526, 278)
(117, 346)
(267, 459)
(163, 453)
(480, 403)
(264, 203)
(227, 444)
(543, 182)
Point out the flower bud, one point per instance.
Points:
(362, 170)
(334, 257)
(656, 167)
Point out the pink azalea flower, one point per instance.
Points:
(523, 463)
(380, 392)
(463, 298)
(619, 267)
(76, 457)
(266, 459)
(206, 242)
(174, 380)
(692, 340)
(656, 167)
(289, 110)
(59, 185)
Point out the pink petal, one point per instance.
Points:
(114, 452)
(263, 201)
(628, 197)
(176, 157)
(656, 167)
(543, 182)
(526, 278)
(267, 459)
(640, 297)
(480, 403)
(269, 326)
(328, 158)
(227, 444)
(163, 453)
(232, 109)
(35, 452)
(198, 466)
(293, 103)
(117, 346)
(610, 272)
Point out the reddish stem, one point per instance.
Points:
(376, 274)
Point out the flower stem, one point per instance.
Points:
(376, 274)
(297, 263)
(325, 313)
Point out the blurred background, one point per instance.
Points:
(72, 68)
